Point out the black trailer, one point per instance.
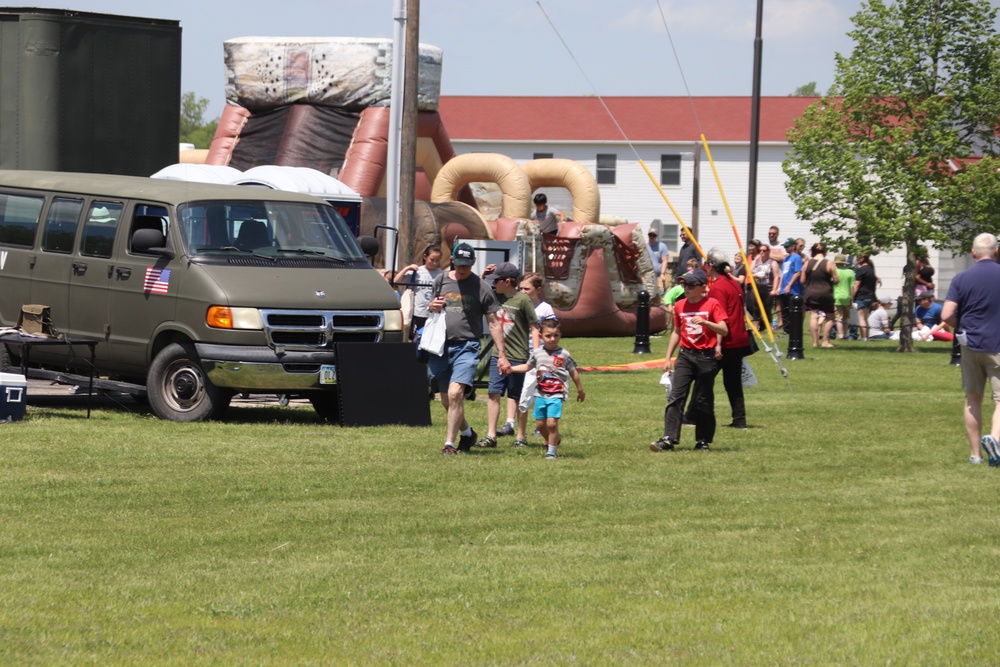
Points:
(88, 92)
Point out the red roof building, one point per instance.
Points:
(642, 119)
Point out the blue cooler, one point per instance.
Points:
(13, 393)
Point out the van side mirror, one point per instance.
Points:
(369, 245)
(150, 242)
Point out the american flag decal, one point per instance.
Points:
(157, 280)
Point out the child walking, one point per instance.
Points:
(699, 326)
(554, 367)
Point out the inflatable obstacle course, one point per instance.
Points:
(323, 102)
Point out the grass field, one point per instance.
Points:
(845, 527)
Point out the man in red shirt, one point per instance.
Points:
(736, 344)
(699, 323)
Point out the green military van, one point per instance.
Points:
(194, 292)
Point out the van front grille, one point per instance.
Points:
(315, 329)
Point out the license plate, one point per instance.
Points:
(328, 374)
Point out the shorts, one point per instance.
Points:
(977, 368)
(864, 304)
(510, 385)
(458, 364)
(548, 407)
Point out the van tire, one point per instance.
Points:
(178, 389)
(327, 405)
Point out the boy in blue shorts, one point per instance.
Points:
(554, 367)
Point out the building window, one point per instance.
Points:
(543, 156)
(670, 170)
(607, 164)
(671, 236)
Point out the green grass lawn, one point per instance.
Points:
(845, 527)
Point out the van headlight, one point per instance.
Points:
(393, 320)
(224, 317)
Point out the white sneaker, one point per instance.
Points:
(975, 460)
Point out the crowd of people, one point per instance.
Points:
(528, 368)
(708, 302)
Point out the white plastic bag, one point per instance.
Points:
(749, 379)
(665, 380)
(435, 334)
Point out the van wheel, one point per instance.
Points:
(178, 389)
(327, 405)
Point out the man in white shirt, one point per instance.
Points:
(778, 252)
(878, 320)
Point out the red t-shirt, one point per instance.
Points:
(697, 336)
(729, 294)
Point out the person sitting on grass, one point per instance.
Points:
(554, 367)
(928, 316)
(878, 320)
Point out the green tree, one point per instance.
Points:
(808, 90)
(194, 129)
(891, 161)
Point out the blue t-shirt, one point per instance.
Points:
(789, 267)
(930, 315)
(977, 293)
(657, 251)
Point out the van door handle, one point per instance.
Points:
(79, 268)
(123, 272)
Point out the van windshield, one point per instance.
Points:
(275, 229)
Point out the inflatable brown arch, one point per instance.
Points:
(593, 272)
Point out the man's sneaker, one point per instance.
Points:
(992, 449)
(465, 442)
(975, 460)
(551, 455)
(701, 446)
(506, 429)
(519, 443)
(742, 426)
(662, 445)
(449, 450)
(487, 441)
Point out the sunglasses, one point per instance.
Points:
(692, 285)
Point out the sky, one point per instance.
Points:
(516, 47)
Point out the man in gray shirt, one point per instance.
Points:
(465, 300)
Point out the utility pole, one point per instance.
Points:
(395, 130)
(758, 47)
(408, 141)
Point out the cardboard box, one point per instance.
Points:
(13, 395)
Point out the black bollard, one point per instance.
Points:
(642, 325)
(956, 353)
(794, 324)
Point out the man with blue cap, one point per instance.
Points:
(465, 299)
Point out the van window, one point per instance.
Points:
(98, 238)
(19, 219)
(149, 216)
(60, 225)
(278, 229)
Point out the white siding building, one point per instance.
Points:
(664, 132)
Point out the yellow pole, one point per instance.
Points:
(739, 243)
